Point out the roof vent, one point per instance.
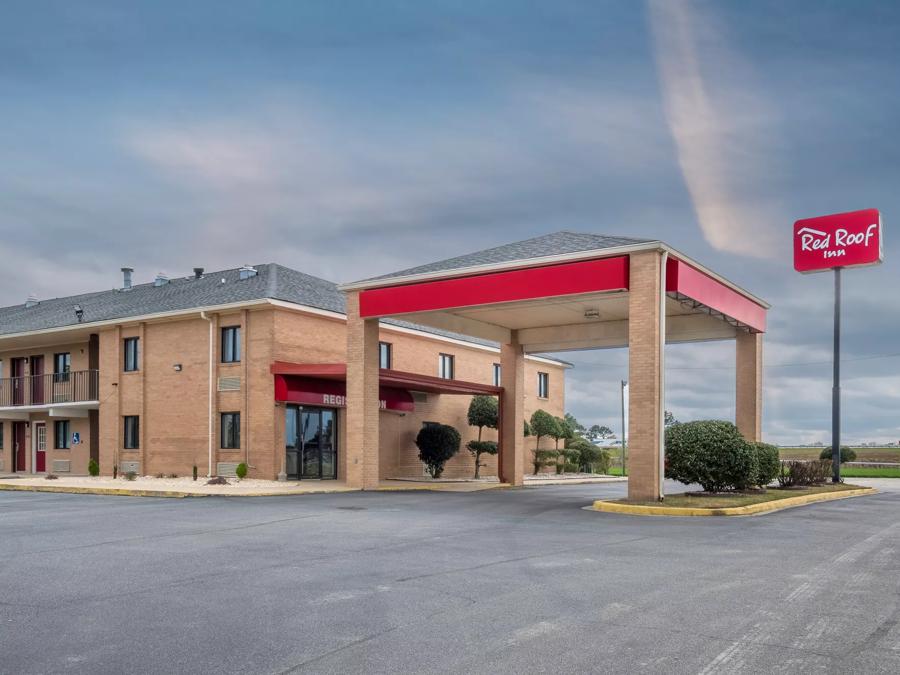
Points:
(248, 271)
(198, 272)
(126, 278)
(79, 313)
(161, 279)
(32, 301)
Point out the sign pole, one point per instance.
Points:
(623, 427)
(836, 387)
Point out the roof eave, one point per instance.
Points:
(548, 260)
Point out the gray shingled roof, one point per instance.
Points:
(557, 243)
(272, 281)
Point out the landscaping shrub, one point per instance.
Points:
(93, 468)
(768, 463)
(847, 454)
(590, 458)
(51, 476)
(712, 453)
(160, 475)
(195, 472)
(241, 470)
(437, 443)
(798, 473)
(217, 480)
(542, 424)
(130, 475)
(483, 412)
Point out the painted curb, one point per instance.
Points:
(749, 510)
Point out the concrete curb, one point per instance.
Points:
(749, 510)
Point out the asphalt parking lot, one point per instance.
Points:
(498, 581)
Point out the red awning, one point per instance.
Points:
(309, 382)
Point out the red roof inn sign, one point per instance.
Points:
(834, 242)
(840, 240)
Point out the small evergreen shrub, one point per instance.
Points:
(768, 463)
(437, 443)
(51, 476)
(130, 475)
(847, 454)
(241, 470)
(217, 480)
(712, 453)
(799, 474)
(160, 475)
(93, 468)
(195, 472)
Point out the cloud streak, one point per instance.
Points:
(722, 128)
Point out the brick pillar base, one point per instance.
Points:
(644, 376)
(511, 463)
(748, 385)
(362, 444)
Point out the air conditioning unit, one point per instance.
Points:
(227, 469)
(130, 466)
(62, 465)
(230, 383)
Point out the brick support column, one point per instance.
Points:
(644, 376)
(512, 439)
(748, 385)
(362, 412)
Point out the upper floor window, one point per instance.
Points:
(496, 374)
(543, 385)
(62, 365)
(231, 431)
(132, 432)
(446, 366)
(231, 344)
(131, 354)
(1, 435)
(61, 435)
(385, 355)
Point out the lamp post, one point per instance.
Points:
(624, 384)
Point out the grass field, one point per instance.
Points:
(862, 454)
(869, 472)
(684, 500)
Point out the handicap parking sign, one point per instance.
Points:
(76, 438)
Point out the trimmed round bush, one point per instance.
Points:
(768, 463)
(847, 454)
(437, 443)
(712, 453)
(93, 467)
(241, 470)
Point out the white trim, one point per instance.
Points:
(549, 260)
(74, 405)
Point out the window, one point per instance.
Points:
(61, 435)
(131, 354)
(496, 374)
(1, 435)
(385, 355)
(132, 432)
(445, 366)
(231, 344)
(62, 364)
(543, 385)
(231, 431)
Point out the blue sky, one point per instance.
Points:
(348, 139)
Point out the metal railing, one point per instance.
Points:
(74, 387)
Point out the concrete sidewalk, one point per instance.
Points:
(144, 486)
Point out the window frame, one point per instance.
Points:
(234, 437)
(62, 375)
(2, 430)
(66, 436)
(451, 360)
(497, 373)
(543, 388)
(386, 348)
(129, 443)
(128, 344)
(230, 338)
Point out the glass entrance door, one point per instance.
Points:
(311, 447)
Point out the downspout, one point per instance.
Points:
(209, 415)
(662, 372)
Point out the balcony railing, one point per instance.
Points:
(79, 386)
